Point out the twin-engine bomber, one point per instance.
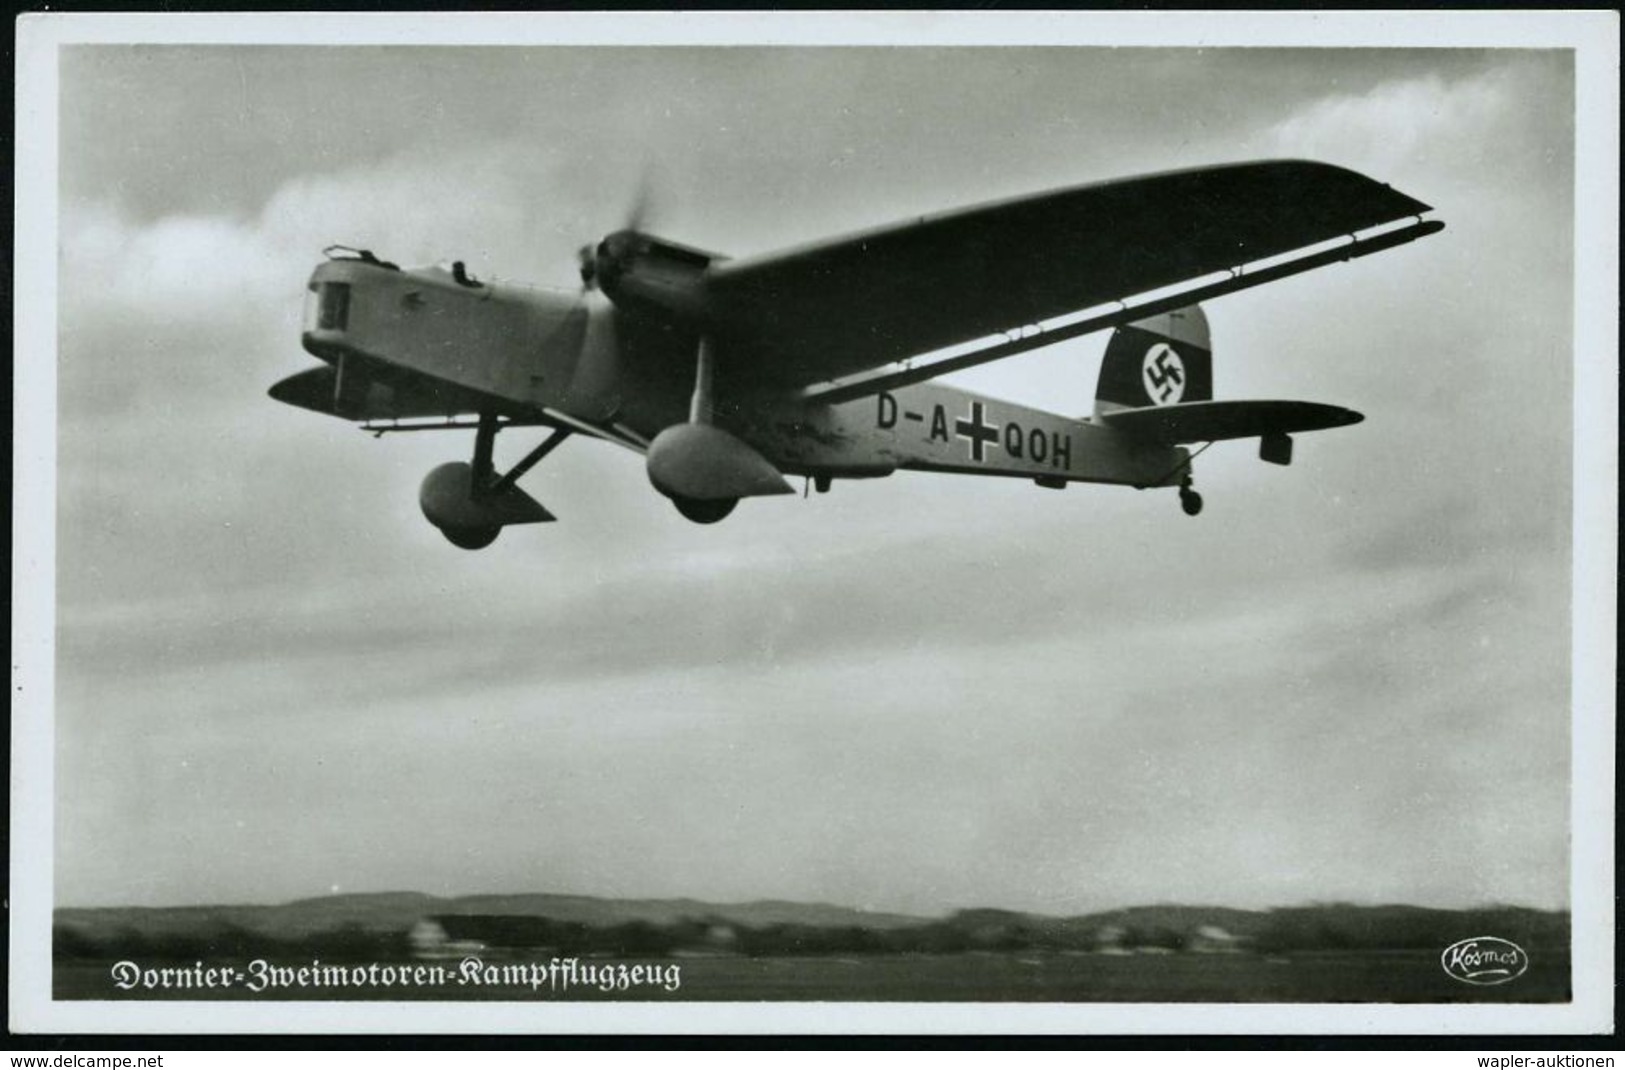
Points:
(730, 375)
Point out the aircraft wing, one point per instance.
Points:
(1213, 421)
(810, 315)
(322, 389)
(381, 400)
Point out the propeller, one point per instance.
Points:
(609, 257)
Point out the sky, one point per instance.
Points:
(1348, 680)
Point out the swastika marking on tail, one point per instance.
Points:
(1164, 374)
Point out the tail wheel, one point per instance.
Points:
(1190, 501)
(705, 510)
(471, 538)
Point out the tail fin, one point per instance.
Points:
(1159, 360)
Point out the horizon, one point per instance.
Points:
(948, 913)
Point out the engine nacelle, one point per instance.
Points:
(700, 462)
(642, 273)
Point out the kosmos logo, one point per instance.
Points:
(1484, 960)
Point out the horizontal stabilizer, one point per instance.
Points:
(1213, 421)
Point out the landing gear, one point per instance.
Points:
(471, 504)
(702, 468)
(1189, 500)
(705, 510)
(702, 510)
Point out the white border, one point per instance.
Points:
(1594, 676)
(1593, 35)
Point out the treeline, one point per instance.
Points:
(1350, 928)
(352, 942)
(1333, 927)
(346, 943)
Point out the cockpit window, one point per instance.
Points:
(333, 306)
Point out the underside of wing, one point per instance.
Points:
(380, 397)
(1213, 421)
(372, 396)
(810, 315)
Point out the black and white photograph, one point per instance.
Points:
(767, 522)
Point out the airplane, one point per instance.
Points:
(731, 375)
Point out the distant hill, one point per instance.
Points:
(1178, 918)
(398, 911)
(773, 926)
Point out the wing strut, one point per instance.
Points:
(486, 481)
(530, 460)
(700, 405)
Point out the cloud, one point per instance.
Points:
(1397, 124)
(1100, 759)
(195, 269)
(1476, 124)
(178, 270)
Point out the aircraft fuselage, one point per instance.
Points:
(530, 353)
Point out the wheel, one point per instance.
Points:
(705, 510)
(1190, 501)
(471, 538)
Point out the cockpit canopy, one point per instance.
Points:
(329, 306)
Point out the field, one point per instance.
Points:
(1322, 977)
